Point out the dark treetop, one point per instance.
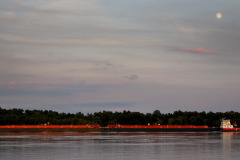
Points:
(37, 117)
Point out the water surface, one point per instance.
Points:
(125, 146)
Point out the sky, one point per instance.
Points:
(139, 55)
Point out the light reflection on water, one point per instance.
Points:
(141, 146)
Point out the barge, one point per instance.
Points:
(50, 128)
(159, 128)
(108, 128)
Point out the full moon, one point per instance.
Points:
(219, 15)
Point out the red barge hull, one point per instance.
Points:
(50, 128)
(159, 128)
(231, 129)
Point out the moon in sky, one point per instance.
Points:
(219, 15)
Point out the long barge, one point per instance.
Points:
(225, 126)
(159, 128)
(50, 128)
(109, 128)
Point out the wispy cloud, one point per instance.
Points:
(9, 84)
(95, 41)
(8, 16)
(199, 50)
(14, 83)
(132, 77)
(77, 41)
(191, 31)
(99, 104)
(51, 88)
(92, 107)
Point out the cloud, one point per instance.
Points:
(199, 50)
(132, 77)
(9, 84)
(191, 31)
(42, 83)
(31, 83)
(32, 88)
(99, 104)
(8, 16)
(94, 41)
(88, 107)
(76, 41)
(69, 5)
(50, 88)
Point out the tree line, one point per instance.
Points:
(39, 117)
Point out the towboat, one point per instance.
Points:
(226, 126)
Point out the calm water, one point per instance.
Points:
(103, 146)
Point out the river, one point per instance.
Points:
(119, 146)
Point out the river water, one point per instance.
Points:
(116, 146)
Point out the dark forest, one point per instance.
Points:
(38, 117)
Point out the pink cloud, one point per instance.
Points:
(12, 83)
(15, 83)
(41, 83)
(199, 50)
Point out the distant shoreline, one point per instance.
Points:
(104, 118)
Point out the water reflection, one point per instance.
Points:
(104, 145)
(104, 133)
(231, 142)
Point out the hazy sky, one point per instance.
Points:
(138, 55)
